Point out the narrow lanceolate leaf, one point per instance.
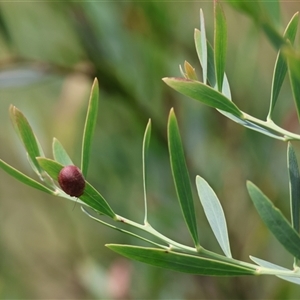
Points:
(267, 264)
(210, 73)
(211, 76)
(60, 154)
(24, 178)
(90, 196)
(26, 135)
(201, 46)
(96, 201)
(275, 221)
(146, 142)
(181, 176)
(294, 75)
(220, 43)
(294, 183)
(214, 214)
(204, 94)
(280, 64)
(50, 166)
(181, 262)
(89, 127)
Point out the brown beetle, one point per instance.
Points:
(71, 181)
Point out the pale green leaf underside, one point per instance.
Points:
(214, 214)
(220, 44)
(266, 264)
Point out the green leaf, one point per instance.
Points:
(24, 178)
(260, 13)
(60, 154)
(281, 65)
(275, 221)
(201, 46)
(96, 201)
(208, 61)
(89, 127)
(211, 77)
(267, 264)
(214, 214)
(294, 183)
(50, 166)
(204, 94)
(181, 176)
(294, 75)
(273, 35)
(146, 142)
(181, 262)
(90, 195)
(220, 43)
(27, 136)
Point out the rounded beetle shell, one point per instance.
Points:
(71, 181)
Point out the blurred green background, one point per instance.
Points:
(50, 53)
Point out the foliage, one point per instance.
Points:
(214, 91)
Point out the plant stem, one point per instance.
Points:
(272, 126)
(186, 249)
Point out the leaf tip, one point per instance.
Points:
(95, 82)
(172, 112)
(198, 178)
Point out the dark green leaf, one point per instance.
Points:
(294, 75)
(24, 178)
(275, 221)
(214, 214)
(60, 154)
(181, 262)
(220, 44)
(274, 36)
(181, 176)
(26, 135)
(281, 65)
(90, 195)
(89, 127)
(294, 178)
(204, 94)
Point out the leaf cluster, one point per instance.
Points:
(214, 91)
